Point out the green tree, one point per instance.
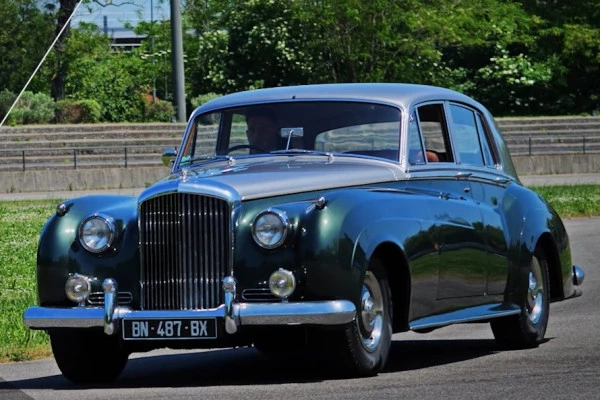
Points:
(23, 41)
(571, 35)
(155, 51)
(247, 44)
(117, 81)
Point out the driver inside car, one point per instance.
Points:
(261, 131)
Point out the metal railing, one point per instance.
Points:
(552, 145)
(80, 157)
(148, 156)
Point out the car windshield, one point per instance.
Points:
(296, 127)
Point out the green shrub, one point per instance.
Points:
(32, 108)
(159, 111)
(203, 98)
(7, 98)
(77, 111)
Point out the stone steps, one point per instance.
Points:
(99, 145)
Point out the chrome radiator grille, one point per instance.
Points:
(184, 244)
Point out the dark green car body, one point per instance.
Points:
(449, 240)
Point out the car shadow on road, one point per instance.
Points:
(246, 366)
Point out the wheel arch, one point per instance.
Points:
(396, 267)
(548, 245)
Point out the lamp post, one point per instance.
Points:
(152, 50)
(177, 60)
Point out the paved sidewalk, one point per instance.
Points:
(62, 195)
(531, 180)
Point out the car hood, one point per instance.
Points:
(267, 176)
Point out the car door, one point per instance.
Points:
(476, 159)
(457, 237)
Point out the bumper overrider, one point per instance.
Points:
(332, 312)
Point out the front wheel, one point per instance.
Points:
(366, 343)
(527, 329)
(87, 356)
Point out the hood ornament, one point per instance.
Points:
(185, 174)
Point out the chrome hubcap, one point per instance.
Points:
(370, 322)
(535, 292)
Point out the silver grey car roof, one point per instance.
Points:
(400, 94)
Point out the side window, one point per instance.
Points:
(485, 146)
(435, 134)
(465, 135)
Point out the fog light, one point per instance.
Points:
(78, 288)
(282, 283)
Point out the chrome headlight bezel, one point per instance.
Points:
(270, 219)
(107, 229)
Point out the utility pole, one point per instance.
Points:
(153, 52)
(177, 60)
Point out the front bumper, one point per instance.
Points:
(333, 312)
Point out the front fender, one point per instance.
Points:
(355, 223)
(60, 253)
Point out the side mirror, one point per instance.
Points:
(168, 157)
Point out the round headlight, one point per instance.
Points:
(270, 228)
(78, 288)
(282, 283)
(96, 233)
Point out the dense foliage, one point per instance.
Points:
(526, 57)
(518, 57)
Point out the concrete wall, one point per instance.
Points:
(81, 179)
(557, 164)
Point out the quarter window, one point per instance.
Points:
(485, 146)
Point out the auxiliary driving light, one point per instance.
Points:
(282, 283)
(78, 288)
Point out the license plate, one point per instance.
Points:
(166, 328)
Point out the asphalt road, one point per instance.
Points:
(458, 362)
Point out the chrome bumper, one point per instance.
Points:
(333, 312)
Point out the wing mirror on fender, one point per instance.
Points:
(168, 157)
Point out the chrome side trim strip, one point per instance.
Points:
(471, 314)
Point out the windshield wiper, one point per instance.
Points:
(301, 151)
(190, 160)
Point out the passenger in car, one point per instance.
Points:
(432, 157)
(262, 131)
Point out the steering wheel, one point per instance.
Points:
(246, 146)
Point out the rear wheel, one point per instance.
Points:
(528, 328)
(366, 343)
(87, 356)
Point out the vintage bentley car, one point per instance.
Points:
(319, 217)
